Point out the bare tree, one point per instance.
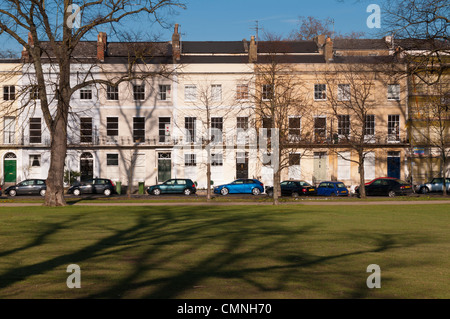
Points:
(52, 43)
(351, 98)
(310, 27)
(279, 96)
(430, 115)
(208, 133)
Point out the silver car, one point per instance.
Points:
(436, 185)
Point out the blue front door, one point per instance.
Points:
(393, 165)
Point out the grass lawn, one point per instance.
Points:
(226, 252)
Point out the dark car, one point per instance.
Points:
(28, 187)
(435, 185)
(173, 186)
(0, 191)
(293, 188)
(332, 188)
(241, 186)
(94, 186)
(386, 186)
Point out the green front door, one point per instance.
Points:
(10, 169)
(164, 167)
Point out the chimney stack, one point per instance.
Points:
(176, 45)
(25, 54)
(253, 51)
(101, 46)
(320, 42)
(328, 50)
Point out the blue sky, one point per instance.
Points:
(227, 20)
(210, 20)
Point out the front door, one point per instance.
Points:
(164, 167)
(10, 168)
(393, 164)
(320, 166)
(86, 167)
(241, 165)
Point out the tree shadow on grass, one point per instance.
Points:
(201, 244)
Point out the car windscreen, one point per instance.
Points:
(340, 185)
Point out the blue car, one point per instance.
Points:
(241, 186)
(332, 189)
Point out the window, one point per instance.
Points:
(344, 92)
(190, 160)
(138, 129)
(164, 93)
(35, 130)
(320, 92)
(320, 131)
(267, 92)
(164, 129)
(393, 92)
(86, 130)
(9, 92)
(112, 126)
(267, 125)
(242, 123)
(294, 128)
(242, 92)
(34, 93)
(393, 127)
(216, 129)
(369, 125)
(190, 93)
(139, 92)
(8, 130)
(112, 159)
(189, 125)
(216, 92)
(217, 159)
(112, 93)
(344, 125)
(86, 93)
(35, 160)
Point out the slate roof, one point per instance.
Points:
(360, 44)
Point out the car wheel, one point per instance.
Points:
(224, 191)
(270, 193)
(187, 192)
(256, 191)
(42, 192)
(295, 194)
(391, 194)
(157, 192)
(107, 192)
(333, 194)
(424, 190)
(12, 193)
(76, 192)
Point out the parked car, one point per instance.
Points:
(241, 186)
(332, 188)
(0, 191)
(435, 185)
(293, 188)
(27, 187)
(173, 186)
(94, 186)
(386, 186)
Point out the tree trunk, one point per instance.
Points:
(54, 195)
(276, 186)
(444, 174)
(362, 187)
(208, 178)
